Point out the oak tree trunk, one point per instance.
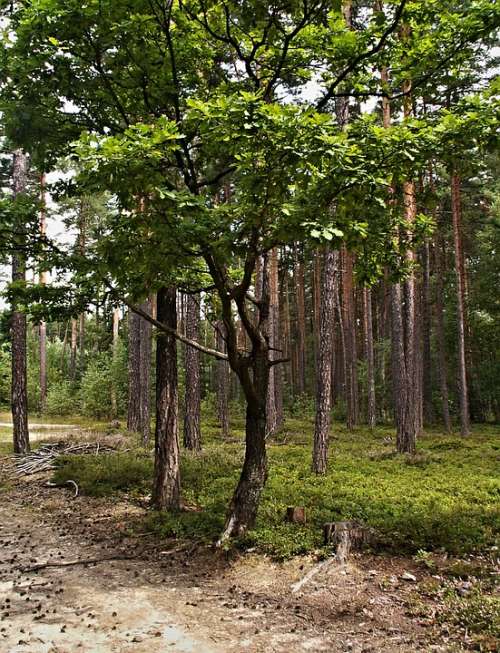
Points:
(245, 501)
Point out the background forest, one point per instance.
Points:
(275, 216)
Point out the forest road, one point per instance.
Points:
(80, 575)
(78, 608)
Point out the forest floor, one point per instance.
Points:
(88, 574)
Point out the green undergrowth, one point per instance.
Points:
(444, 497)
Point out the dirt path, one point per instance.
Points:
(169, 597)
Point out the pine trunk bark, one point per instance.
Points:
(166, 483)
(134, 373)
(456, 211)
(324, 363)
(440, 335)
(222, 382)
(73, 349)
(274, 410)
(116, 326)
(349, 325)
(301, 321)
(43, 325)
(426, 337)
(370, 358)
(145, 371)
(192, 395)
(19, 391)
(410, 325)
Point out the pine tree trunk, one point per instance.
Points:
(349, 325)
(19, 392)
(317, 272)
(324, 363)
(440, 337)
(222, 382)
(116, 326)
(192, 396)
(405, 433)
(370, 358)
(456, 210)
(274, 410)
(301, 322)
(73, 349)
(145, 371)
(285, 321)
(426, 337)
(134, 373)
(43, 325)
(166, 483)
(81, 343)
(410, 326)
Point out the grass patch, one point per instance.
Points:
(445, 497)
(107, 474)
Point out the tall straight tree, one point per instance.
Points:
(42, 327)
(166, 486)
(350, 339)
(325, 360)
(115, 342)
(440, 332)
(428, 407)
(134, 373)
(370, 357)
(192, 394)
(300, 324)
(222, 381)
(456, 212)
(19, 392)
(275, 391)
(145, 370)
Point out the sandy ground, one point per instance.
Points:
(144, 595)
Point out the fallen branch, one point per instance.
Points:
(73, 563)
(311, 574)
(68, 482)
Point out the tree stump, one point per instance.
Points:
(296, 514)
(345, 536)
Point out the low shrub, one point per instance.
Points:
(447, 501)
